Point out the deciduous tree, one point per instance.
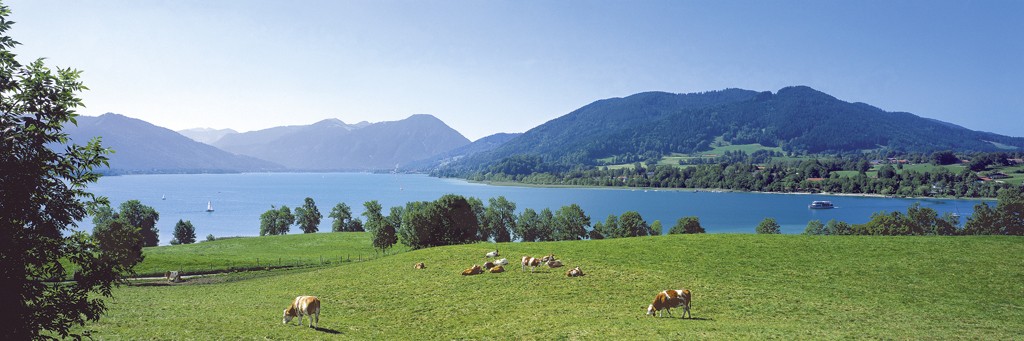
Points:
(308, 216)
(43, 194)
(184, 232)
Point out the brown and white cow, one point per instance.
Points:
(489, 264)
(475, 270)
(576, 272)
(668, 299)
(303, 306)
(419, 265)
(554, 263)
(533, 263)
(497, 269)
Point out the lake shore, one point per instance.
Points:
(712, 190)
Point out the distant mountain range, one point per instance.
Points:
(642, 126)
(333, 145)
(140, 147)
(206, 135)
(482, 145)
(653, 124)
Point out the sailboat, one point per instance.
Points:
(163, 197)
(209, 206)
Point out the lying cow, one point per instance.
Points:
(554, 263)
(502, 262)
(419, 265)
(576, 272)
(492, 254)
(304, 306)
(489, 264)
(533, 263)
(497, 269)
(668, 299)
(475, 270)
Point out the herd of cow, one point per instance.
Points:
(665, 300)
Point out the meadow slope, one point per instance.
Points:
(745, 287)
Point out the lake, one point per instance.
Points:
(239, 199)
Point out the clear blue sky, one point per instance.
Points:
(486, 66)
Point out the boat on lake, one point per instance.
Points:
(817, 205)
(209, 206)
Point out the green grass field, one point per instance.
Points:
(744, 287)
(263, 251)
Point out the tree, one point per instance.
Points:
(528, 226)
(570, 223)
(308, 216)
(815, 227)
(136, 214)
(546, 232)
(768, 226)
(384, 236)
(632, 224)
(276, 221)
(374, 217)
(945, 157)
(687, 225)
(184, 232)
(656, 228)
(342, 216)
(483, 232)
(838, 228)
(43, 194)
(610, 227)
(1011, 211)
(501, 218)
(985, 220)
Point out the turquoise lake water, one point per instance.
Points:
(239, 199)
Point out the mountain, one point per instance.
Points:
(653, 124)
(483, 144)
(334, 145)
(206, 135)
(140, 147)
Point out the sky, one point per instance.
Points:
(485, 67)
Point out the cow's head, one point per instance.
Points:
(288, 314)
(651, 310)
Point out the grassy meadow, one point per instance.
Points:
(248, 252)
(744, 287)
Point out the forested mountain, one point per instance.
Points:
(333, 145)
(206, 135)
(141, 147)
(483, 144)
(652, 124)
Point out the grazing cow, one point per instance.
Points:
(534, 262)
(576, 272)
(501, 262)
(475, 270)
(489, 264)
(419, 265)
(669, 299)
(497, 269)
(303, 306)
(554, 263)
(492, 254)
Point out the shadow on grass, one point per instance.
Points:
(327, 330)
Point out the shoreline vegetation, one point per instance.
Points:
(719, 190)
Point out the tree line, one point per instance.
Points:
(739, 171)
